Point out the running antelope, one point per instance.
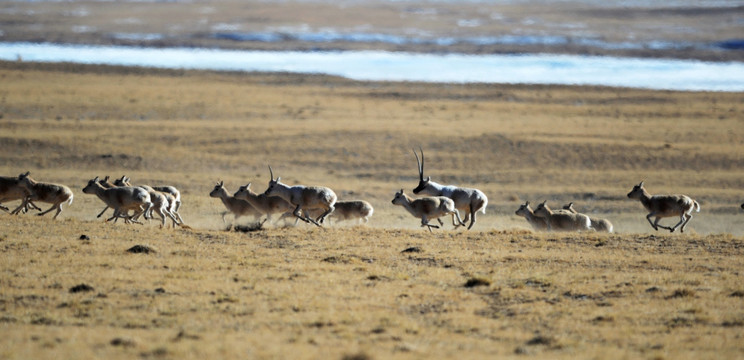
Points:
(10, 190)
(234, 205)
(163, 204)
(54, 194)
(563, 221)
(538, 223)
(303, 198)
(661, 206)
(121, 199)
(268, 205)
(598, 224)
(466, 199)
(425, 208)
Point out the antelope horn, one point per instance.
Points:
(271, 172)
(420, 164)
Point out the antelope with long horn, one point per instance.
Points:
(661, 206)
(303, 198)
(469, 200)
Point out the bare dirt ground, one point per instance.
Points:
(70, 288)
(674, 29)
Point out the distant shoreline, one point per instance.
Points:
(376, 65)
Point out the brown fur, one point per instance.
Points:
(50, 193)
(236, 206)
(661, 206)
(558, 221)
(431, 207)
(538, 223)
(601, 225)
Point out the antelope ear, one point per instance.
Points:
(428, 178)
(641, 184)
(527, 203)
(543, 203)
(221, 183)
(279, 178)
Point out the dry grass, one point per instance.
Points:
(351, 291)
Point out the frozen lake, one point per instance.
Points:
(661, 74)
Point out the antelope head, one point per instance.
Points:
(399, 198)
(637, 191)
(217, 188)
(423, 183)
(91, 187)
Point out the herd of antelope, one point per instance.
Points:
(315, 204)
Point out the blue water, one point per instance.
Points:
(685, 75)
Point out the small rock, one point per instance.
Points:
(81, 288)
(84, 237)
(477, 282)
(122, 342)
(414, 249)
(141, 249)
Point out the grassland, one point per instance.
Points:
(499, 290)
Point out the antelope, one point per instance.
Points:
(359, 210)
(121, 199)
(235, 206)
(598, 224)
(108, 184)
(163, 204)
(176, 205)
(11, 190)
(303, 198)
(268, 205)
(563, 221)
(538, 223)
(54, 194)
(661, 206)
(466, 199)
(425, 208)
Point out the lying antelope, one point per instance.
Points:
(538, 223)
(563, 221)
(303, 198)
(359, 210)
(466, 199)
(121, 199)
(267, 205)
(598, 224)
(50, 193)
(234, 205)
(425, 208)
(163, 204)
(661, 206)
(10, 190)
